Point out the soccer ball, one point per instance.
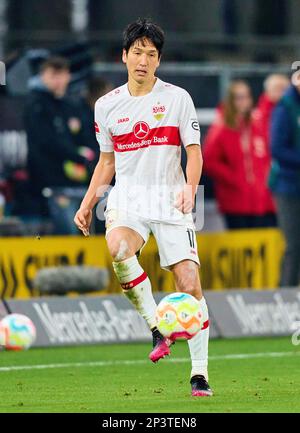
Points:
(178, 315)
(17, 332)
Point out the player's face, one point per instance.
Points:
(56, 81)
(141, 60)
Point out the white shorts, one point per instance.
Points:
(175, 242)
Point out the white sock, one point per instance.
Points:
(198, 345)
(137, 287)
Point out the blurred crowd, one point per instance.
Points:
(251, 154)
(62, 150)
(237, 154)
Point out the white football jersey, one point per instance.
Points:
(146, 133)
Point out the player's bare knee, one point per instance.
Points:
(123, 252)
(119, 249)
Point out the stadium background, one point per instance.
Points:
(207, 45)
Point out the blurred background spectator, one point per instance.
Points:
(236, 157)
(56, 158)
(94, 89)
(274, 87)
(285, 179)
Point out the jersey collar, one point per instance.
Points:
(154, 88)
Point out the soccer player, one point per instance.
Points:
(140, 127)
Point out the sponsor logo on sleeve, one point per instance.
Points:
(195, 125)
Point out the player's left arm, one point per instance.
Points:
(189, 130)
(186, 198)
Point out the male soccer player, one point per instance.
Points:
(140, 127)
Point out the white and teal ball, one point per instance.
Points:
(17, 332)
(179, 315)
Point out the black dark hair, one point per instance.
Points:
(57, 63)
(143, 28)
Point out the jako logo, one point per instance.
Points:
(125, 119)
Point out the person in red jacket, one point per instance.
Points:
(236, 157)
(274, 87)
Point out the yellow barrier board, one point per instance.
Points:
(21, 258)
(241, 259)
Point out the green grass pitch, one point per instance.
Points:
(247, 375)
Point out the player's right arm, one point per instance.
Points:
(103, 173)
(101, 179)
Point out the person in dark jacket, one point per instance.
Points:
(53, 132)
(95, 88)
(285, 179)
(274, 87)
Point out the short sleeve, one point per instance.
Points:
(189, 128)
(102, 132)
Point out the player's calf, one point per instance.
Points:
(186, 276)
